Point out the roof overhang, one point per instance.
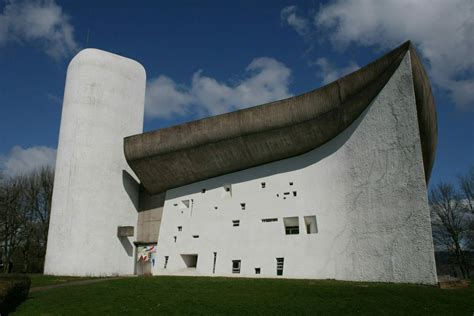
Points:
(202, 149)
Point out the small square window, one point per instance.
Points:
(263, 184)
(235, 266)
(291, 183)
(236, 223)
(257, 270)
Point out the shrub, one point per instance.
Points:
(14, 289)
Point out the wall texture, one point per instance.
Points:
(94, 190)
(366, 188)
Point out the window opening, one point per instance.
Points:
(291, 183)
(195, 236)
(257, 270)
(203, 190)
(280, 265)
(294, 193)
(311, 224)
(235, 266)
(269, 220)
(263, 185)
(190, 260)
(236, 223)
(214, 264)
(180, 228)
(242, 205)
(166, 261)
(175, 238)
(291, 225)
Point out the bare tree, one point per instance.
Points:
(451, 223)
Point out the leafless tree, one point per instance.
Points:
(451, 223)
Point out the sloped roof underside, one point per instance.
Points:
(198, 150)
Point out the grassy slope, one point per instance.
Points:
(38, 280)
(182, 295)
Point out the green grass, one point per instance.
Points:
(38, 280)
(226, 296)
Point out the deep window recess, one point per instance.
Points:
(236, 223)
(242, 205)
(180, 228)
(257, 270)
(269, 220)
(263, 185)
(166, 261)
(280, 265)
(190, 260)
(235, 266)
(311, 224)
(214, 264)
(291, 225)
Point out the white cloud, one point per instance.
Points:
(442, 30)
(290, 16)
(39, 22)
(265, 80)
(25, 160)
(328, 72)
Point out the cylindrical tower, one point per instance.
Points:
(93, 192)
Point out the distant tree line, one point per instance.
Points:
(25, 204)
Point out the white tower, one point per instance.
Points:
(93, 188)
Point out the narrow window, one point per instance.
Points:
(294, 193)
(235, 266)
(286, 193)
(180, 228)
(166, 261)
(236, 223)
(311, 224)
(269, 220)
(263, 185)
(242, 205)
(257, 270)
(175, 238)
(195, 236)
(214, 264)
(280, 265)
(291, 225)
(190, 260)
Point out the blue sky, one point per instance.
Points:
(209, 57)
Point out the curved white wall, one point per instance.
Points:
(93, 194)
(366, 187)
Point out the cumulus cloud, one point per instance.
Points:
(328, 72)
(289, 15)
(265, 80)
(38, 22)
(25, 160)
(442, 31)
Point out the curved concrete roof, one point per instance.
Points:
(198, 150)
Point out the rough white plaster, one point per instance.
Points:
(366, 187)
(94, 191)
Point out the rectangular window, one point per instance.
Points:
(257, 270)
(190, 260)
(311, 224)
(180, 228)
(263, 185)
(242, 205)
(294, 193)
(236, 223)
(291, 225)
(214, 263)
(269, 220)
(235, 266)
(195, 236)
(291, 183)
(280, 265)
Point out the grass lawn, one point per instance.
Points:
(224, 296)
(38, 280)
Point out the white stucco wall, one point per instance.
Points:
(93, 194)
(366, 187)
